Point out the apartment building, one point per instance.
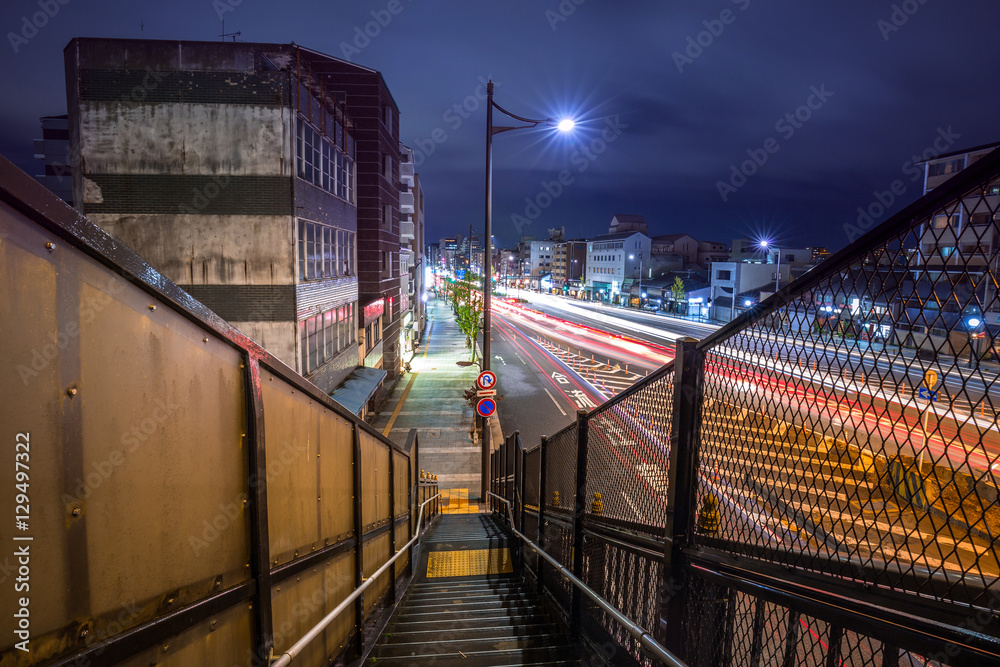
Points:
(231, 168)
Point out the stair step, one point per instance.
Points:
(496, 619)
(417, 598)
(540, 645)
(472, 585)
(512, 606)
(460, 632)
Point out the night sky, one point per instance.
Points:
(822, 103)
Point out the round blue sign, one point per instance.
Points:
(486, 407)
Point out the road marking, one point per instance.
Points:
(399, 406)
(519, 357)
(556, 402)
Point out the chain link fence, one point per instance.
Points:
(814, 483)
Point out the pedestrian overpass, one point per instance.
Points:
(813, 484)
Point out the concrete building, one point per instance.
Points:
(376, 116)
(614, 262)
(57, 164)
(624, 222)
(411, 259)
(683, 245)
(569, 263)
(711, 251)
(230, 167)
(540, 258)
(965, 244)
(734, 284)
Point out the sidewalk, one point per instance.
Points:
(430, 399)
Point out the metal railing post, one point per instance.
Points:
(260, 559)
(541, 510)
(359, 603)
(519, 486)
(392, 522)
(576, 610)
(682, 489)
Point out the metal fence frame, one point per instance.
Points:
(702, 580)
(33, 208)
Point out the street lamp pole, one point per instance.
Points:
(564, 125)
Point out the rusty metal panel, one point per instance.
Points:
(376, 553)
(225, 639)
(402, 537)
(301, 602)
(137, 469)
(29, 316)
(400, 485)
(374, 481)
(308, 465)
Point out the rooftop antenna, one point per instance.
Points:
(225, 34)
(140, 26)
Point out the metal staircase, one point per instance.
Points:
(467, 607)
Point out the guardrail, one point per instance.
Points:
(808, 484)
(296, 649)
(186, 497)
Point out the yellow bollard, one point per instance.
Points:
(708, 517)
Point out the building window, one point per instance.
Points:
(943, 221)
(386, 216)
(980, 219)
(946, 167)
(324, 252)
(322, 163)
(325, 335)
(723, 275)
(387, 167)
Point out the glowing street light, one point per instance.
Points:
(777, 276)
(564, 125)
(971, 325)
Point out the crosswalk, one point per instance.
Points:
(609, 379)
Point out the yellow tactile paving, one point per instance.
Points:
(470, 563)
(456, 501)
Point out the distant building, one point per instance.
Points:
(540, 258)
(411, 259)
(683, 245)
(964, 243)
(569, 263)
(711, 251)
(614, 262)
(622, 222)
(736, 286)
(53, 150)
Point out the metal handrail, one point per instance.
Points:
(637, 631)
(297, 647)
